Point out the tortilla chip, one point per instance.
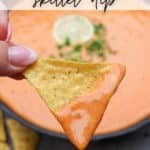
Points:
(4, 146)
(22, 137)
(2, 130)
(76, 93)
(59, 82)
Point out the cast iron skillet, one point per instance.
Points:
(132, 129)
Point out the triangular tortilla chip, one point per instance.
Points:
(22, 137)
(76, 93)
(4, 146)
(2, 130)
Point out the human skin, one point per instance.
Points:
(13, 58)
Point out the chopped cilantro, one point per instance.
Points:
(74, 56)
(98, 28)
(77, 48)
(67, 41)
(96, 46)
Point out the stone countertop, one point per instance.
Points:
(139, 140)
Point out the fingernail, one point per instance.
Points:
(20, 56)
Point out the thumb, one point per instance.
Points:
(14, 58)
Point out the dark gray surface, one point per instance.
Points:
(140, 140)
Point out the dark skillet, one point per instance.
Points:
(131, 129)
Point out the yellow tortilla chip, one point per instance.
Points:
(22, 137)
(2, 130)
(76, 93)
(4, 146)
(60, 82)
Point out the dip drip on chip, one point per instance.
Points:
(76, 93)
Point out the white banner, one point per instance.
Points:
(75, 4)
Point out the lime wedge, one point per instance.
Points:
(77, 29)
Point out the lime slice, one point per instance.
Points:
(77, 29)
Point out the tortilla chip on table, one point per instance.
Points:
(2, 130)
(22, 137)
(76, 93)
(4, 146)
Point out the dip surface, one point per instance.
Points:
(127, 33)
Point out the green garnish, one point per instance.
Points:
(98, 28)
(67, 41)
(77, 48)
(96, 46)
(74, 56)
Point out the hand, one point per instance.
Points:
(13, 58)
